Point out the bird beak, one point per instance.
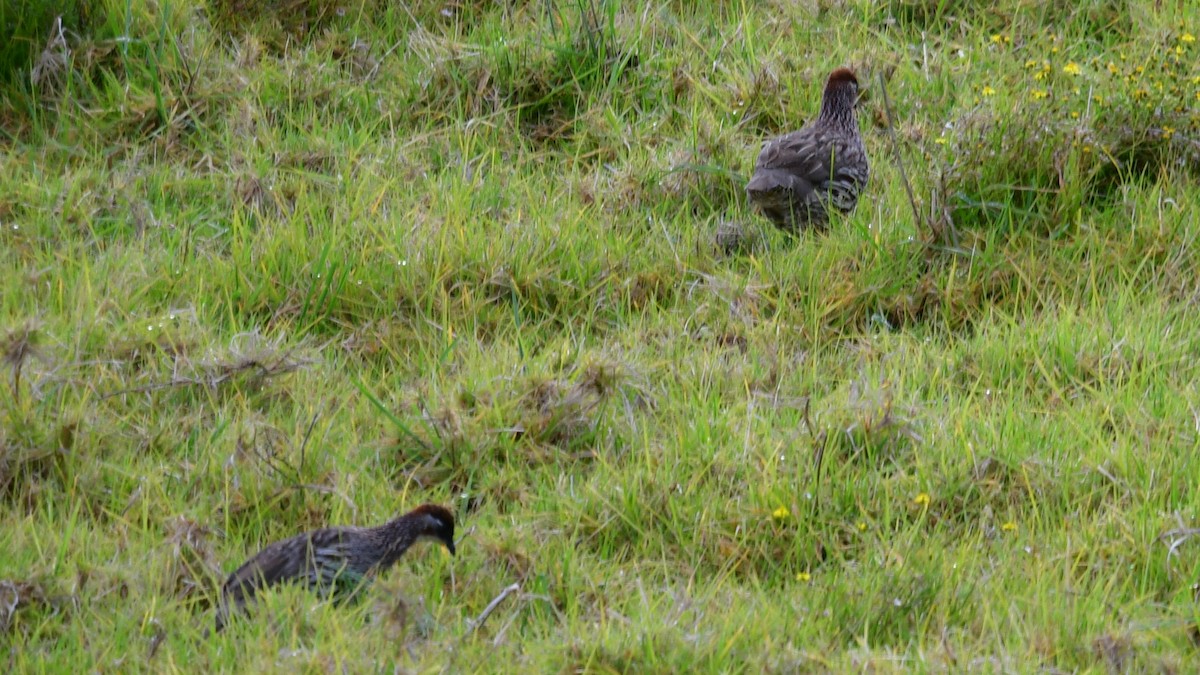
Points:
(450, 546)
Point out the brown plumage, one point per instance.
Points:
(337, 561)
(801, 175)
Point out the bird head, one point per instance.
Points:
(843, 78)
(436, 522)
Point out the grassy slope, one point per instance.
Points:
(418, 257)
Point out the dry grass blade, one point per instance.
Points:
(491, 607)
(248, 353)
(17, 347)
(49, 70)
(918, 221)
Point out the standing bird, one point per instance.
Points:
(800, 175)
(336, 561)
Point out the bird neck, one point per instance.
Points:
(837, 108)
(395, 537)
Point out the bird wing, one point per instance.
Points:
(281, 561)
(808, 162)
(797, 153)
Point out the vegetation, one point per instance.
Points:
(273, 266)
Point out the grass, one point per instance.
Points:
(272, 266)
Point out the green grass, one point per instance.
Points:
(271, 266)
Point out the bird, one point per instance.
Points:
(334, 562)
(799, 176)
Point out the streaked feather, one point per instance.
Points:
(800, 176)
(335, 562)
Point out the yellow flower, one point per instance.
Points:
(1031, 63)
(1072, 68)
(803, 576)
(1010, 526)
(781, 513)
(1074, 114)
(921, 499)
(941, 140)
(997, 39)
(1039, 94)
(988, 91)
(1112, 68)
(1054, 50)
(862, 527)
(1168, 132)
(1187, 37)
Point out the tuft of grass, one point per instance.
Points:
(33, 44)
(1078, 129)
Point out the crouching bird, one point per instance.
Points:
(335, 562)
(801, 176)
